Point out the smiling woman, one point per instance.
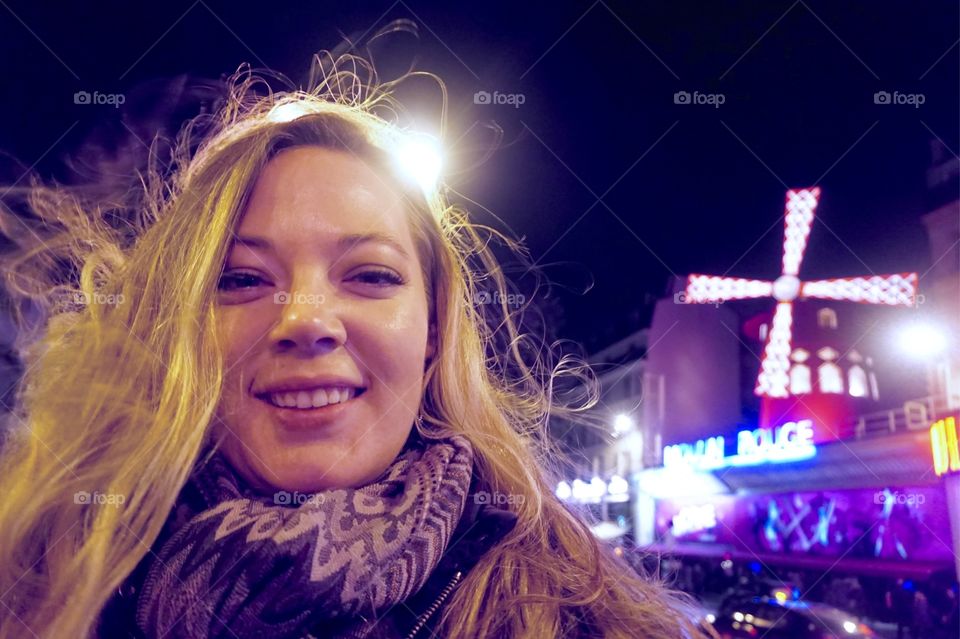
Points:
(319, 309)
(288, 415)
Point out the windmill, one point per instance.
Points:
(773, 381)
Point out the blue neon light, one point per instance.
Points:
(792, 441)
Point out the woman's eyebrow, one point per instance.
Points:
(343, 244)
(347, 242)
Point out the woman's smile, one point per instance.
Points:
(308, 411)
(311, 399)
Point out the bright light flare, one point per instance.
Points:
(622, 424)
(288, 111)
(922, 341)
(420, 158)
(618, 486)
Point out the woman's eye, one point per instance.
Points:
(238, 281)
(380, 278)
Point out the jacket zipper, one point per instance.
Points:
(422, 619)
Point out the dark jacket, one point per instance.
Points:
(480, 528)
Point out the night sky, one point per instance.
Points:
(614, 187)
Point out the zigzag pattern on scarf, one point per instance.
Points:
(246, 567)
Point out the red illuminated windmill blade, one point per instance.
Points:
(894, 290)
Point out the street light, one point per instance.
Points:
(419, 157)
(922, 340)
(622, 424)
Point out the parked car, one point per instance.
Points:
(779, 618)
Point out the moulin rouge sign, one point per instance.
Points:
(788, 442)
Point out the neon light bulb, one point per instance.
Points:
(801, 205)
(774, 376)
(938, 445)
(950, 426)
(944, 446)
(892, 290)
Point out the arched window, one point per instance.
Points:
(829, 375)
(800, 372)
(799, 379)
(857, 381)
(830, 378)
(827, 318)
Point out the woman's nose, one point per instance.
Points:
(309, 322)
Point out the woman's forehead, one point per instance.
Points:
(312, 189)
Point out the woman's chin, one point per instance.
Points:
(311, 477)
(269, 467)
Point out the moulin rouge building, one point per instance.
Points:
(774, 420)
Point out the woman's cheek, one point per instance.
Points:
(404, 336)
(240, 329)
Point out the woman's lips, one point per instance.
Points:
(307, 418)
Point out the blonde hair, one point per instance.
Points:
(119, 398)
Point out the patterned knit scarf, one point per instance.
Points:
(241, 565)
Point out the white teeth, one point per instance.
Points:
(304, 400)
(316, 399)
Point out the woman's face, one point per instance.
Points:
(322, 290)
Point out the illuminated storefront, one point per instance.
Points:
(773, 495)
